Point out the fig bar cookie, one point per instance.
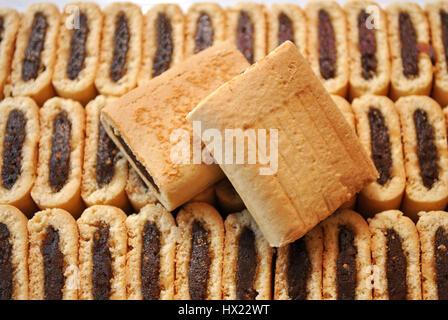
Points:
(61, 148)
(78, 51)
(13, 254)
(19, 137)
(378, 127)
(425, 153)
(9, 24)
(229, 201)
(121, 49)
(145, 124)
(138, 193)
(433, 230)
(199, 253)
(35, 52)
(327, 45)
(315, 162)
(298, 272)
(205, 27)
(396, 257)
(286, 22)
(411, 69)
(246, 28)
(247, 260)
(105, 170)
(437, 13)
(102, 253)
(152, 236)
(368, 48)
(163, 41)
(346, 258)
(53, 258)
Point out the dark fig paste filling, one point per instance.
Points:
(426, 149)
(380, 145)
(367, 46)
(444, 23)
(409, 46)
(327, 46)
(245, 36)
(285, 29)
(53, 265)
(78, 48)
(204, 33)
(6, 269)
(165, 45)
(2, 28)
(150, 261)
(36, 41)
(346, 265)
(121, 47)
(441, 262)
(299, 270)
(396, 266)
(60, 151)
(105, 158)
(12, 148)
(246, 266)
(199, 266)
(102, 264)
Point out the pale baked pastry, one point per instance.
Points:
(19, 125)
(102, 253)
(10, 22)
(53, 256)
(138, 193)
(61, 149)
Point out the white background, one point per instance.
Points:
(21, 5)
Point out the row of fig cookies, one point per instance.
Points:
(106, 255)
(407, 142)
(59, 156)
(360, 47)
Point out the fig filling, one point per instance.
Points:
(199, 266)
(426, 149)
(444, 23)
(299, 270)
(204, 33)
(165, 45)
(121, 47)
(36, 41)
(346, 265)
(246, 266)
(12, 148)
(78, 48)
(409, 46)
(150, 261)
(140, 166)
(105, 158)
(60, 151)
(441, 262)
(367, 46)
(380, 145)
(2, 28)
(245, 36)
(285, 29)
(53, 265)
(102, 263)
(6, 269)
(327, 46)
(396, 264)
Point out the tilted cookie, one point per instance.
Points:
(199, 253)
(53, 256)
(102, 253)
(13, 254)
(150, 266)
(396, 257)
(138, 193)
(19, 138)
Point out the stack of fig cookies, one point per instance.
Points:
(347, 203)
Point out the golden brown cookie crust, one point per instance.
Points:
(11, 23)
